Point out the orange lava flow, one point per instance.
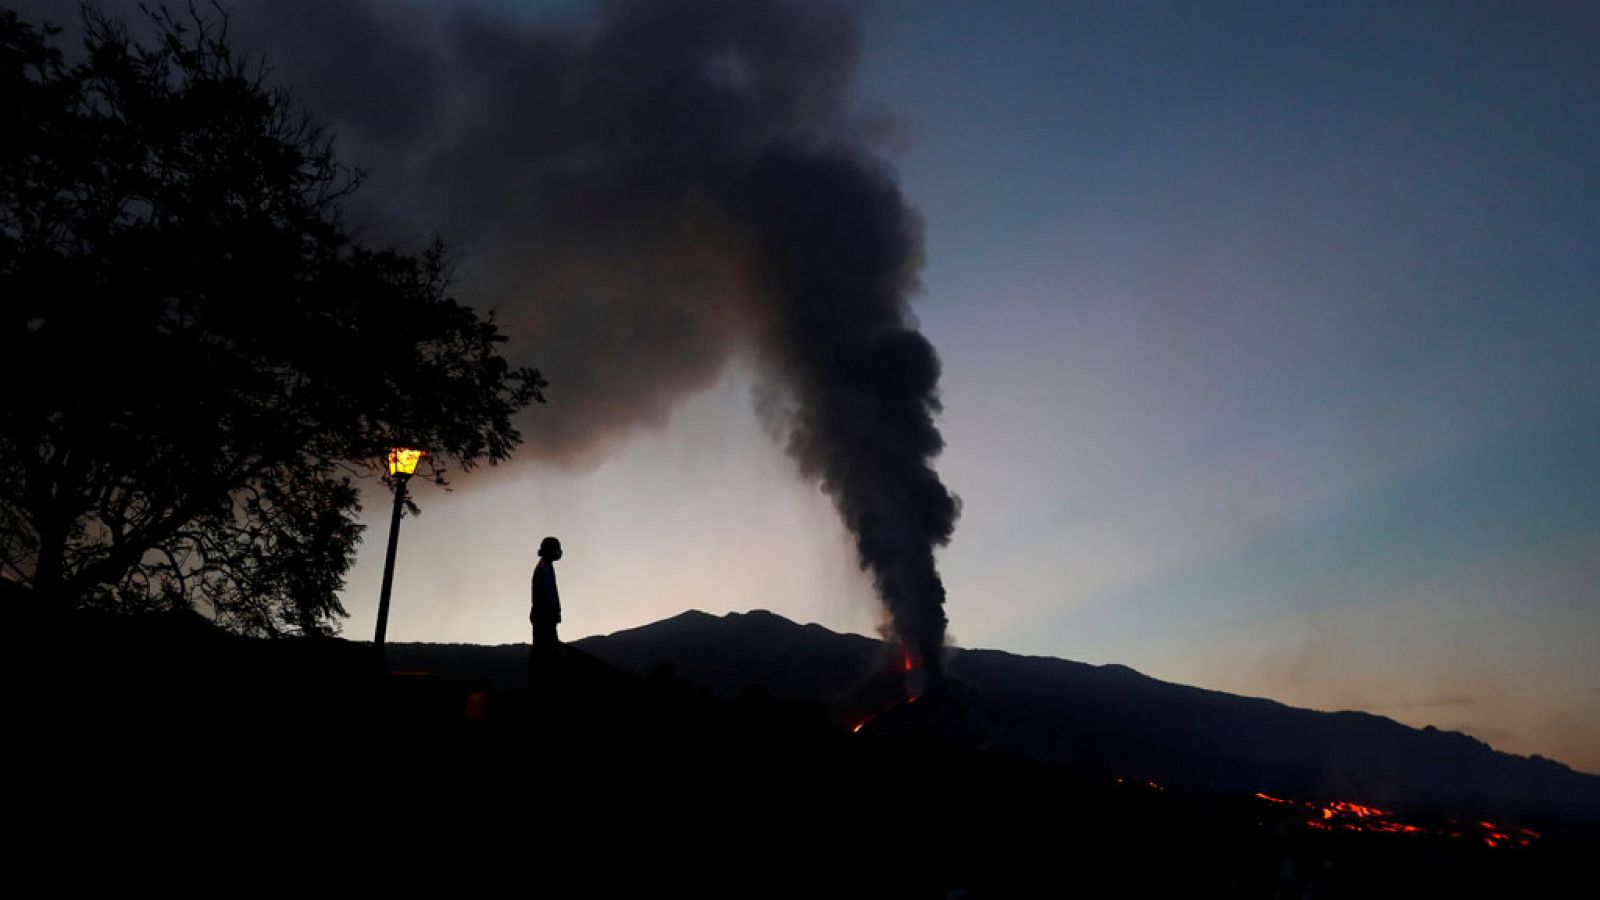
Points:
(1358, 810)
(1342, 815)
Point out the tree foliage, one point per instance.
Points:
(199, 357)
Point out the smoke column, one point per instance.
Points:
(642, 190)
(838, 252)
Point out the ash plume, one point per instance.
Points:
(642, 191)
(838, 251)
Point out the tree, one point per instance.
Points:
(198, 355)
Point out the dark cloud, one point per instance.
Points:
(642, 190)
(588, 169)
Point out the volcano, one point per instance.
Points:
(693, 743)
(1110, 719)
(1105, 721)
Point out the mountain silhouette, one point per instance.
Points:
(748, 755)
(1106, 720)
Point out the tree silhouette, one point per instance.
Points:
(198, 355)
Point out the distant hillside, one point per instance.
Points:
(1097, 719)
(700, 750)
(1113, 719)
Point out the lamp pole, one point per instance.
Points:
(402, 464)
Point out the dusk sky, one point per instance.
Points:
(1270, 337)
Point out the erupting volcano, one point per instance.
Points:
(856, 384)
(900, 699)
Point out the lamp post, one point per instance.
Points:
(402, 465)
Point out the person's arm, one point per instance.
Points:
(555, 595)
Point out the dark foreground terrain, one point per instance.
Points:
(157, 753)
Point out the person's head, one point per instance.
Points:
(550, 549)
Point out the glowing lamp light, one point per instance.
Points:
(403, 461)
(402, 465)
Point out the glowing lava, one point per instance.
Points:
(896, 684)
(1342, 815)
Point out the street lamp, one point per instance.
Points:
(402, 465)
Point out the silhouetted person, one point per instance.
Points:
(545, 613)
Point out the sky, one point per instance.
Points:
(1270, 342)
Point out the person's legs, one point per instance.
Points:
(545, 651)
(533, 658)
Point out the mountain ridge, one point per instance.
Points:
(655, 630)
(696, 615)
(1105, 720)
(1112, 716)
